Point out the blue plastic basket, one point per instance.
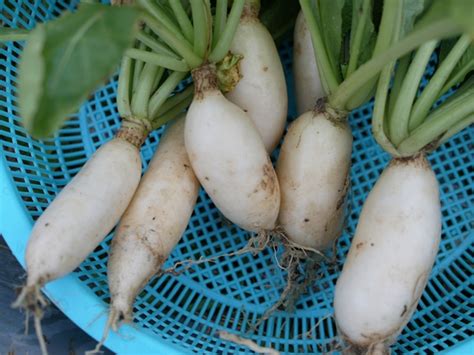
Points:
(182, 314)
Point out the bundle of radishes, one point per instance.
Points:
(344, 51)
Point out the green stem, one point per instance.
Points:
(400, 74)
(209, 21)
(436, 30)
(359, 33)
(183, 19)
(13, 34)
(175, 40)
(158, 76)
(157, 59)
(142, 95)
(164, 91)
(455, 79)
(175, 100)
(458, 127)
(398, 124)
(225, 41)
(123, 90)
(137, 66)
(320, 51)
(173, 112)
(155, 45)
(380, 110)
(200, 27)
(155, 9)
(465, 87)
(389, 31)
(437, 123)
(432, 90)
(219, 20)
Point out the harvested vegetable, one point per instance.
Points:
(313, 196)
(261, 91)
(152, 224)
(308, 86)
(92, 203)
(225, 149)
(391, 255)
(398, 234)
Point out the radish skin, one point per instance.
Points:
(261, 90)
(313, 169)
(83, 212)
(305, 69)
(229, 158)
(153, 223)
(391, 255)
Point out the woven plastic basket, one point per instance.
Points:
(183, 314)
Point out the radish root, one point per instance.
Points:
(113, 322)
(31, 300)
(247, 342)
(255, 245)
(301, 265)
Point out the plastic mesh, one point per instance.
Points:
(233, 293)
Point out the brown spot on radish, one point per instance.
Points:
(404, 310)
(342, 199)
(206, 178)
(154, 218)
(418, 160)
(299, 140)
(297, 46)
(186, 166)
(269, 181)
(306, 220)
(46, 224)
(372, 244)
(265, 68)
(359, 245)
(245, 110)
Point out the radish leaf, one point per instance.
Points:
(66, 59)
(464, 66)
(331, 26)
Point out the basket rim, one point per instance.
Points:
(91, 317)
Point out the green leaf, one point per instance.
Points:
(331, 25)
(66, 59)
(362, 39)
(412, 9)
(464, 66)
(346, 35)
(462, 11)
(459, 11)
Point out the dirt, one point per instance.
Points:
(205, 80)
(418, 160)
(269, 180)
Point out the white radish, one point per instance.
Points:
(305, 69)
(152, 224)
(391, 255)
(229, 158)
(313, 170)
(81, 216)
(261, 90)
(83, 212)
